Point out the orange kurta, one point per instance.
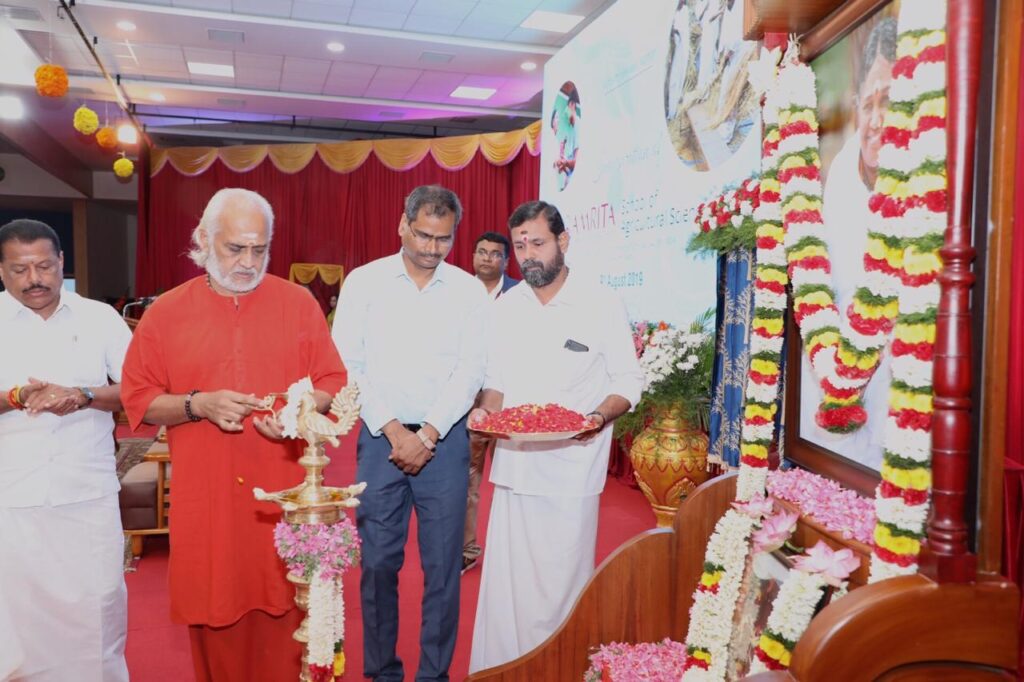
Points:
(223, 563)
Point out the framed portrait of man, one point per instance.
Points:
(853, 80)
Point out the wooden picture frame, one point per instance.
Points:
(816, 456)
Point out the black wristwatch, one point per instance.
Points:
(89, 396)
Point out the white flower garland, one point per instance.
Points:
(791, 613)
(707, 639)
(326, 618)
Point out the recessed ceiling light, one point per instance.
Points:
(467, 92)
(157, 97)
(11, 108)
(528, 66)
(335, 46)
(126, 25)
(207, 69)
(556, 22)
(127, 134)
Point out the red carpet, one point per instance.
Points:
(158, 651)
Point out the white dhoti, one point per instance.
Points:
(540, 554)
(62, 572)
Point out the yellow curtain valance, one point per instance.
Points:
(304, 273)
(451, 153)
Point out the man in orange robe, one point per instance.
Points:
(201, 356)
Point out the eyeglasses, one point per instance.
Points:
(425, 239)
(488, 255)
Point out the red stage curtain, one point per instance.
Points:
(323, 216)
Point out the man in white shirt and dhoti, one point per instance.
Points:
(564, 340)
(61, 544)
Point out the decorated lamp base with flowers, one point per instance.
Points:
(316, 540)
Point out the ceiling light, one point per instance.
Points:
(126, 25)
(127, 134)
(157, 97)
(207, 69)
(467, 92)
(11, 108)
(556, 22)
(528, 66)
(335, 46)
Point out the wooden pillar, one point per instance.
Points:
(946, 557)
(79, 221)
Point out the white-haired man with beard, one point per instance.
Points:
(199, 358)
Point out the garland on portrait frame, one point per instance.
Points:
(902, 296)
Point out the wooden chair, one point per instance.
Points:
(145, 496)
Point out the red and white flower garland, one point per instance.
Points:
(770, 280)
(911, 194)
(903, 260)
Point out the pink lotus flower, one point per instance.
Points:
(834, 566)
(756, 508)
(774, 532)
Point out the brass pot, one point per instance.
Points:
(670, 459)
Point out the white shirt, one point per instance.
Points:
(496, 291)
(416, 355)
(528, 362)
(847, 220)
(46, 459)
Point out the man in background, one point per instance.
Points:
(201, 358)
(490, 258)
(564, 340)
(409, 326)
(61, 544)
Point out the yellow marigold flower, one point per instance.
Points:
(764, 366)
(773, 326)
(915, 333)
(815, 298)
(918, 263)
(865, 361)
(902, 400)
(875, 312)
(771, 184)
(897, 544)
(771, 230)
(802, 203)
(911, 46)
(701, 655)
(772, 647)
(910, 479)
(826, 339)
(772, 275)
(754, 450)
(752, 410)
(807, 252)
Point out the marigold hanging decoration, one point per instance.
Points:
(123, 168)
(51, 80)
(86, 121)
(106, 137)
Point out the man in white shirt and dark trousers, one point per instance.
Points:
(563, 340)
(490, 258)
(61, 543)
(409, 330)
